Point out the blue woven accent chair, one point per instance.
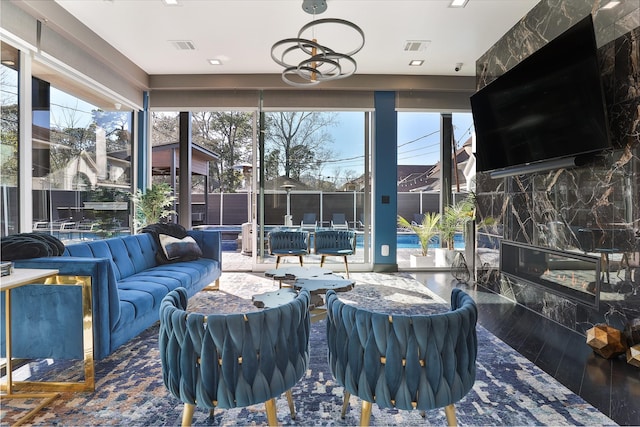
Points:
(406, 361)
(233, 360)
(335, 243)
(288, 243)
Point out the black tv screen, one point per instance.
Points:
(550, 105)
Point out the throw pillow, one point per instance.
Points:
(170, 229)
(185, 249)
(55, 245)
(18, 246)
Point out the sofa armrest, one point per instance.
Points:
(105, 299)
(210, 242)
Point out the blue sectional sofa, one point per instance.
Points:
(128, 286)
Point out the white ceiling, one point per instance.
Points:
(241, 32)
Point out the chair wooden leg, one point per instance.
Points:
(292, 406)
(301, 263)
(277, 261)
(322, 260)
(450, 412)
(270, 407)
(345, 404)
(187, 414)
(365, 415)
(346, 266)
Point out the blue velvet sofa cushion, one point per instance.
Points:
(128, 286)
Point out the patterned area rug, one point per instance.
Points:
(509, 390)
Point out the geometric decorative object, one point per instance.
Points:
(306, 62)
(633, 355)
(632, 331)
(606, 341)
(460, 269)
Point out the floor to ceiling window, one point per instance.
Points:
(81, 166)
(313, 172)
(419, 179)
(9, 132)
(314, 175)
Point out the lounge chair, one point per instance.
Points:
(339, 221)
(309, 222)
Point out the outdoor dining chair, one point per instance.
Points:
(233, 360)
(403, 361)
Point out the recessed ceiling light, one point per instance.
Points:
(611, 4)
(458, 3)
(416, 62)
(170, 2)
(214, 61)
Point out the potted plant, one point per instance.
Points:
(426, 230)
(453, 221)
(153, 205)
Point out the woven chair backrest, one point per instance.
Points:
(404, 361)
(232, 360)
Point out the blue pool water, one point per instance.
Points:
(411, 241)
(404, 240)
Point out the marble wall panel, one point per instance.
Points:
(582, 209)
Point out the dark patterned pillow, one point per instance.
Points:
(55, 245)
(185, 249)
(18, 246)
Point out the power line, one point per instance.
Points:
(419, 138)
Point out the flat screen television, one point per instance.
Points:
(546, 110)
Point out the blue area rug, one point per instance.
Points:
(509, 390)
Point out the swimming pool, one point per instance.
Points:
(404, 240)
(411, 241)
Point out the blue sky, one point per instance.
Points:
(418, 139)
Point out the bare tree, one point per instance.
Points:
(300, 138)
(165, 128)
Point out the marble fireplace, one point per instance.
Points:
(566, 242)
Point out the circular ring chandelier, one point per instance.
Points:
(307, 62)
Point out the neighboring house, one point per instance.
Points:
(465, 170)
(426, 178)
(83, 173)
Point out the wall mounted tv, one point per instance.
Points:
(546, 112)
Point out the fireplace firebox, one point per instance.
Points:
(571, 275)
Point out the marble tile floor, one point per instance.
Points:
(612, 386)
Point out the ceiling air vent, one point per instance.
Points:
(183, 44)
(416, 45)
